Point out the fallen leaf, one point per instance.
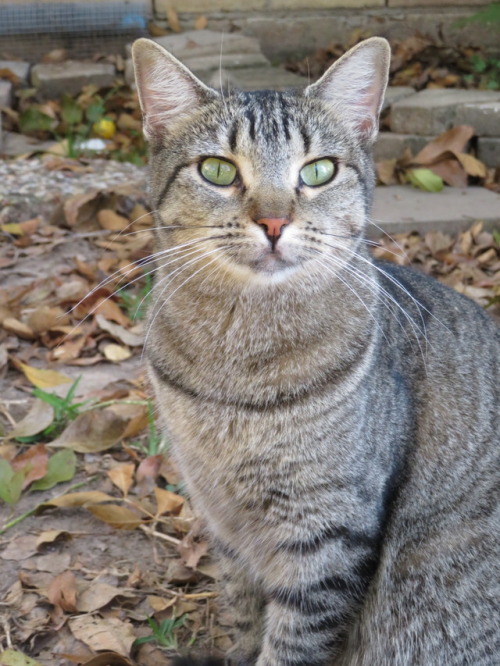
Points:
(32, 463)
(200, 23)
(119, 517)
(120, 333)
(72, 500)
(60, 467)
(97, 595)
(425, 180)
(173, 20)
(92, 431)
(51, 536)
(62, 591)
(12, 657)
(13, 325)
(108, 659)
(45, 317)
(167, 502)
(472, 165)
(453, 140)
(159, 604)
(43, 378)
(20, 548)
(112, 221)
(115, 353)
(39, 417)
(122, 476)
(11, 482)
(103, 633)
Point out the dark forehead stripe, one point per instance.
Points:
(268, 115)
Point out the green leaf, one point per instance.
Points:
(95, 111)
(71, 113)
(496, 236)
(32, 119)
(12, 657)
(11, 482)
(61, 467)
(425, 179)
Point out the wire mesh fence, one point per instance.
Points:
(30, 29)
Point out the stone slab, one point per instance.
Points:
(434, 111)
(484, 117)
(488, 151)
(401, 208)
(18, 67)
(395, 93)
(14, 144)
(202, 43)
(5, 93)
(70, 76)
(390, 145)
(227, 61)
(255, 78)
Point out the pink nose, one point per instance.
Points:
(273, 226)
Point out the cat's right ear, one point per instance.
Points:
(167, 89)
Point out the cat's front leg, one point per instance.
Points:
(245, 601)
(307, 621)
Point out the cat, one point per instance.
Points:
(335, 418)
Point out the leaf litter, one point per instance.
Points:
(82, 461)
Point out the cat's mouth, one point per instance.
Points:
(272, 261)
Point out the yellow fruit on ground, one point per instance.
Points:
(104, 128)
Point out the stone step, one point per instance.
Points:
(69, 77)
(401, 208)
(432, 111)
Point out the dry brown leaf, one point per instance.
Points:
(43, 378)
(112, 221)
(122, 476)
(13, 325)
(119, 333)
(39, 417)
(92, 431)
(32, 462)
(103, 633)
(451, 171)
(45, 317)
(54, 563)
(201, 22)
(173, 20)
(108, 659)
(51, 536)
(386, 171)
(20, 548)
(453, 140)
(167, 502)
(159, 604)
(472, 165)
(96, 595)
(62, 591)
(119, 517)
(80, 210)
(72, 500)
(116, 353)
(110, 310)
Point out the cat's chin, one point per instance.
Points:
(265, 270)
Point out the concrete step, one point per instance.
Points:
(401, 208)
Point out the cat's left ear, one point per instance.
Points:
(167, 89)
(355, 85)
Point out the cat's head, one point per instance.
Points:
(261, 185)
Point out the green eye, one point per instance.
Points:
(317, 173)
(217, 171)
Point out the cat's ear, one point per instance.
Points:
(166, 88)
(355, 85)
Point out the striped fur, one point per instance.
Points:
(335, 419)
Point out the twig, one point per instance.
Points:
(17, 520)
(160, 535)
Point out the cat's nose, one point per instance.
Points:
(273, 226)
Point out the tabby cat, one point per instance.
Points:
(335, 418)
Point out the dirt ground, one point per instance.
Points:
(111, 553)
